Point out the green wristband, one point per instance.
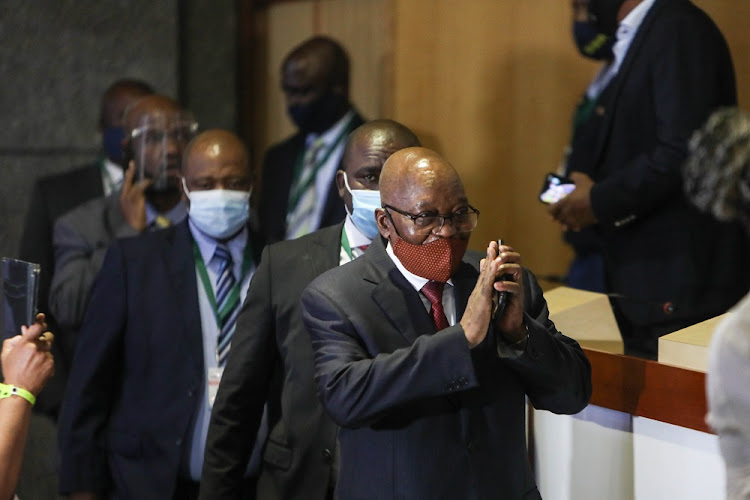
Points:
(7, 391)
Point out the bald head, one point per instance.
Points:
(217, 159)
(118, 97)
(367, 149)
(322, 56)
(413, 169)
(418, 181)
(149, 106)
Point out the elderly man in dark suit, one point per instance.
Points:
(299, 193)
(427, 382)
(271, 358)
(57, 194)
(156, 337)
(671, 68)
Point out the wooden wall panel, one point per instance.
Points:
(362, 26)
(489, 83)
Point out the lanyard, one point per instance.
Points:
(298, 189)
(345, 244)
(235, 291)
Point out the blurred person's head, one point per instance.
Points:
(156, 132)
(218, 180)
(115, 100)
(315, 81)
(717, 172)
(358, 181)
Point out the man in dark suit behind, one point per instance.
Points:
(671, 68)
(55, 195)
(429, 388)
(271, 358)
(156, 337)
(299, 193)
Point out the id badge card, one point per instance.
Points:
(214, 378)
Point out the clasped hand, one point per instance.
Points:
(476, 319)
(574, 212)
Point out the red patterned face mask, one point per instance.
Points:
(435, 261)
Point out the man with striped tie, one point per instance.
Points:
(271, 359)
(156, 337)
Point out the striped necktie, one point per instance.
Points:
(227, 302)
(300, 219)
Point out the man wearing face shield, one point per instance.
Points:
(156, 338)
(428, 384)
(57, 194)
(670, 69)
(156, 132)
(299, 193)
(271, 359)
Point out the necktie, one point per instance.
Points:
(433, 290)
(300, 218)
(227, 302)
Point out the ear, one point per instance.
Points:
(384, 223)
(340, 184)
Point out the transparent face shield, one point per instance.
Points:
(157, 144)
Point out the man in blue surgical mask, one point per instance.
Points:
(271, 358)
(156, 338)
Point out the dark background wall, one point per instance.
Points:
(58, 56)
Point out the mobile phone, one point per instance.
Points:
(555, 188)
(499, 299)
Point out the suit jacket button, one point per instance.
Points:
(327, 456)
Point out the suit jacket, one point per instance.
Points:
(422, 415)
(676, 72)
(51, 197)
(271, 360)
(138, 373)
(278, 174)
(81, 238)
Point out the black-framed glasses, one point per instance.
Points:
(463, 221)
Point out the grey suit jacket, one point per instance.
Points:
(81, 238)
(271, 360)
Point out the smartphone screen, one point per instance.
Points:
(555, 188)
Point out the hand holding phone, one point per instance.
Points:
(555, 188)
(499, 299)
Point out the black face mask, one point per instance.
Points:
(604, 15)
(591, 43)
(318, 116)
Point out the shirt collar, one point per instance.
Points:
(354, 235)
(416, 281)
(176, 214)
(207, 245)
(332, 133)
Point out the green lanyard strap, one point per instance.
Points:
(234, 293)
(298, 189)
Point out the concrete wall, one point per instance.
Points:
(57, 57)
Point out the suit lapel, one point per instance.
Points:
(180, 263)
(324, 251)
(397, 299)
(623, 73)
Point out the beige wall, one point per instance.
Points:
(491, 84)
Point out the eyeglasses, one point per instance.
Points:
(463, 221)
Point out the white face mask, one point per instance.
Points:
(219, 213)
(364, 203)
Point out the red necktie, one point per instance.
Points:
(433, 290)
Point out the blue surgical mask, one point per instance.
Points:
(364, 203)
(219, 213)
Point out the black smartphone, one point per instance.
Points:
(499, 299)
(555, 188)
